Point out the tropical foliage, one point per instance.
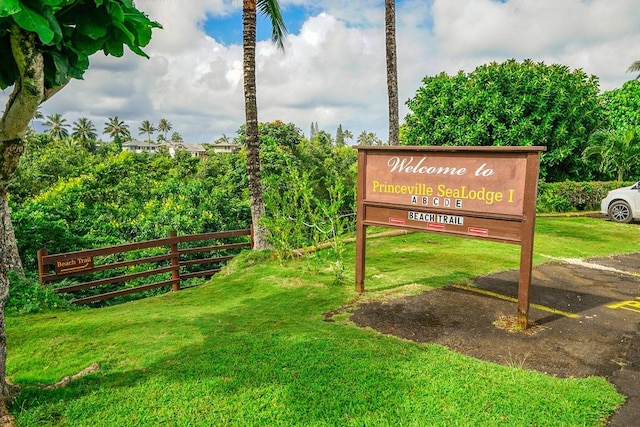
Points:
(58, 126)
(634, 68)
(67, 198)
(117, 129)
(146, 127)
(85, 131)
(164, 126)
(69, 32)
(616, 151)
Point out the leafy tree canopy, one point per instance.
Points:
(68, 32)
(511, 103)
(623, 105)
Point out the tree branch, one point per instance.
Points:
(29, 90)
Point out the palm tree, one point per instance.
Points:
(368, 138)
(58, 127)
(176, 137)
(224, 139)
(392, 69)
(117, 130)
(270, 9)
(84, 130)
(347, 134)
(70, 143)
(146, 127)
(37, 116)
(618, 151)
(634, 68)
(164, 126)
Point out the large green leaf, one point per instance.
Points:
(9, 7)
(9, 70)
(31, 20)
(53, 25)
(115, 11)
(128, 38)
(135, 49)
(78, 64)
(57, 3)
(61, 64)
(86, 45)
(113, 47)
(93, 28)
(140, 26)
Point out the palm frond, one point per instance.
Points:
(271, 9)
(634, 68)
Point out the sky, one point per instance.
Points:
(333, 70)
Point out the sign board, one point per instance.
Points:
(478, 192)
(74, 265)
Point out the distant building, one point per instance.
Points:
(196, 150)
(140, 146)
(224, 147)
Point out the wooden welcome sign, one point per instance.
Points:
(477, 192)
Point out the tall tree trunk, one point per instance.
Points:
(10, 151)
(251, 112)
(392, 70)
(10, 255)
(6, 391)
(27, 94)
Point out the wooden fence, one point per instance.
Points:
(91, 261)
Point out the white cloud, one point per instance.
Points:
(530, 27)
(329, 74)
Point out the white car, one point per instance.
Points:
(622, 204)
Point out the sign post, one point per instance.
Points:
(476, 192)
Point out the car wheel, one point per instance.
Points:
(620, 211)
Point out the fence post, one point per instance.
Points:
(41, 270)
(175, 262)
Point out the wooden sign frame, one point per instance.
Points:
(475, 192)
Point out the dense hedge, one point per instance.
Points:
(570, 196)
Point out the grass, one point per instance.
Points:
(251, 348)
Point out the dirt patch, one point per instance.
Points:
(585, 320)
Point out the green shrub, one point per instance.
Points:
(570, 196)
(27, 296)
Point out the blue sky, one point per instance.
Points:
(228, 28)
(333, 69)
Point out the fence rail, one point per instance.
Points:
(82, 263)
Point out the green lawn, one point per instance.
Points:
(250, 348)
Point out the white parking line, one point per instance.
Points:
(582, 263)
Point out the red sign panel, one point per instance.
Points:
(464, 182)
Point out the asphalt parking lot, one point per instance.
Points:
(585, 317)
